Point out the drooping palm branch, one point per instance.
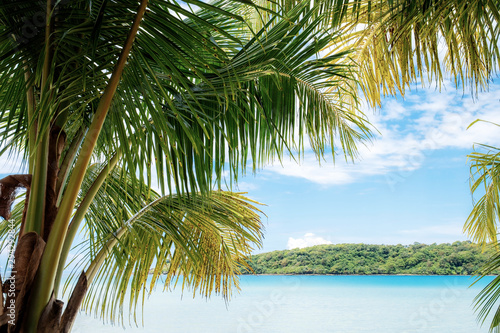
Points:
(130, 241)
(397, 43)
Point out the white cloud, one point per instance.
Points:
(393, 110)
(309, 239)
(384, 156)
(310, 169)
(410, 131)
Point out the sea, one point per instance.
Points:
(303, 304)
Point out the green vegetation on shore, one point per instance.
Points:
(459, 258)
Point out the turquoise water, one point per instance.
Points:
(293, 304)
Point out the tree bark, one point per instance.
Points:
(18, 286)
(51, 316)
(74, 304)
(8, 188)
(56, 146)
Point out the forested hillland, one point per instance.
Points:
(459, 258)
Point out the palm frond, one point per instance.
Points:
(487, 300)
(252, 104)
(481, 225)
(397, 43)
(187, 87)
(201, 240)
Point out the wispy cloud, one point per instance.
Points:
(410, 130)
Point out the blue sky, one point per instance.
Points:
(411, 184)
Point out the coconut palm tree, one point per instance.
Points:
(101, 97)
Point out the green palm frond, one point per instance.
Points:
(239, 107)
(202, 240)
(397, 43)
(482, 222)
(198, 86)
(487, 300)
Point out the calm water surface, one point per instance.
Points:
(298, 304)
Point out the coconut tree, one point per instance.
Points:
(106, 100)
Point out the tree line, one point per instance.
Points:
(459, 258)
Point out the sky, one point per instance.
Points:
(411, 184)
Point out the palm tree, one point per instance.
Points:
(100, 97)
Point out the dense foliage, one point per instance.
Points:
(461, 258)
